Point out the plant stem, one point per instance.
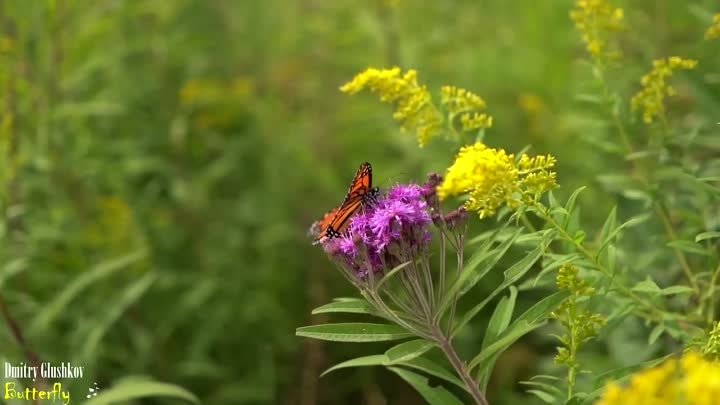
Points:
(655, 314)
(644, 178)
(460, 368)
(17, 334)
(679, 254)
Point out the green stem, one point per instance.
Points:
(659, 210)
(655, 313)
(665, 219)
(461, 369)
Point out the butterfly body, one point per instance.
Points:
(360, 194)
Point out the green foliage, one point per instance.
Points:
(162, 161)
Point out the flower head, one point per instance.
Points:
(650, 99)
(597, 20)
(413, 104)
(469, 107)
(399, 220)
(714, 31)
(491, 178)
(393, 230)
(690, 380)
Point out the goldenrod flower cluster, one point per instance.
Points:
(467, 105)
(413, 104)
(580, 324)
(491, 178)
(690, 380)
(714, 30)
(597, 20)
(650, 99)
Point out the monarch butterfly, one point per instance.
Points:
(336, 222)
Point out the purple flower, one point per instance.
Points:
(391, 231)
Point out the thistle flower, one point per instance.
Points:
(388, 233)
(597, 21)
(414, 108)
(491, 178)
(468, 106)
(714, 31)
(650, 99)
(690, 380)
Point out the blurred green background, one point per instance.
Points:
(162, 161)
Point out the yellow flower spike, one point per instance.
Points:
(597, 21)
(690, 380)
(467, 105)
(414, 108)
(714, 31)
(651, 98)
(491, 178)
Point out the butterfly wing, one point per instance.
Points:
(337, 221)
(322, 224)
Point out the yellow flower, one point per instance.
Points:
(714, 30)
(466, 105)
(650, 99)
(690, 380)
(414, 108)
(491, 178)
(597, 20)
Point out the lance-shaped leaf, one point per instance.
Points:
(354, 332)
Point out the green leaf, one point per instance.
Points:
(636, 220)
(434, 369)
(677, 289)
(552, 200)
(707, 235)
(500, 319)
(570, 205)
(656, 333)
(83, 281)
(408, 350)
(518, 330)
(647, 286)
(354, 306)
(512, 274)
(434, 395)
(609, 225)
(544, 307)
(469, 277)
(544, 396)
(354, 332)
(113, 311)
(132, 389)
(689, 247)
(365, 361)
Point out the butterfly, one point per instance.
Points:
(360, 194)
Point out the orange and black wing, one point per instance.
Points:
(337, 221)
(320, 226)
(361, 185)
